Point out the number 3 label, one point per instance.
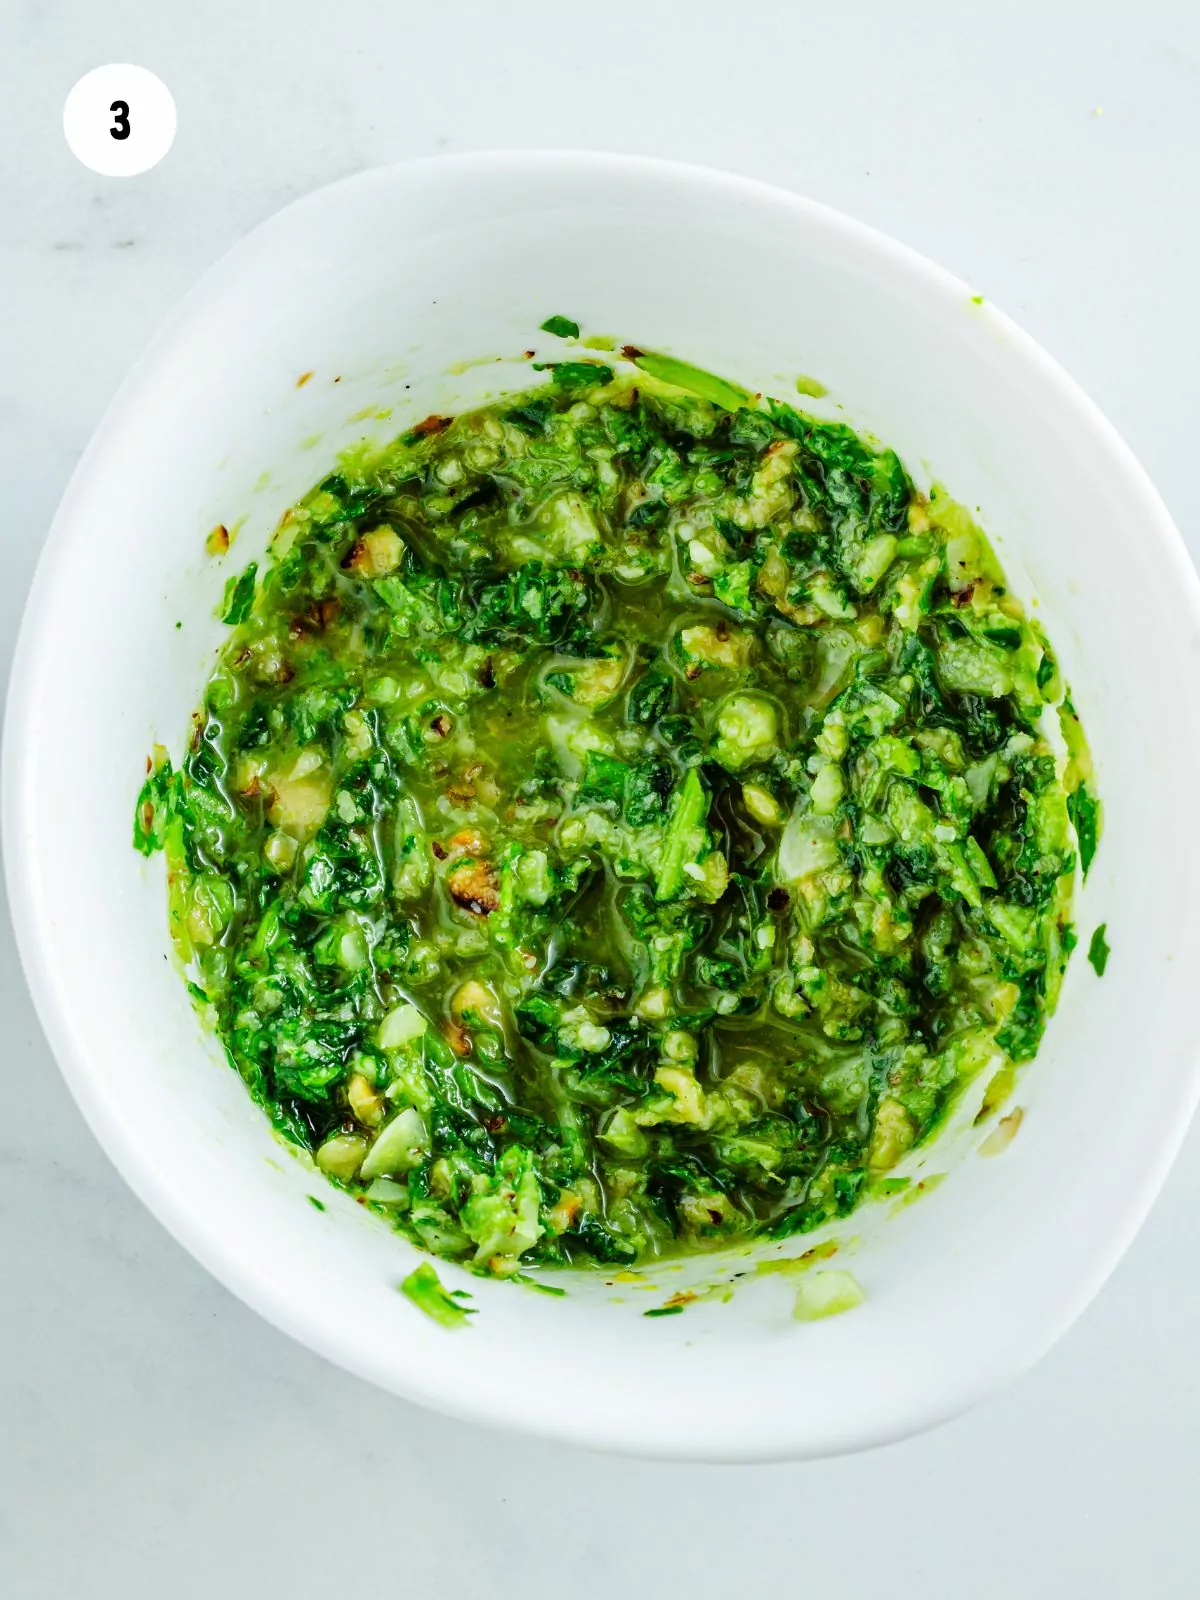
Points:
(119, 120)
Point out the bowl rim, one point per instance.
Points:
(35, 939)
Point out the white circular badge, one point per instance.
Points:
(119, 120)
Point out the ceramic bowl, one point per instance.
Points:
(417, 288)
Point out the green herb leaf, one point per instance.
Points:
(729, 396)
(1084, 811)
(576, 374)
(536, 1283)
(426, 1291)
(686, 835)
(239, 596)
(562, 326)
(1098, 950)
(154, 809)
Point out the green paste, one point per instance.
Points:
(621, 821)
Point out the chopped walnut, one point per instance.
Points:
(474, 885)
(376, 554)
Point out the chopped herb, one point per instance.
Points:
(730, 396)
(318, 1205)
(1098, 950)
(239, 596)
(576, 374)
(1084, 811)
(536, 1283)
(663, 1311)
(424, 1288)
(563, 327)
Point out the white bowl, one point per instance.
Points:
(384, 281)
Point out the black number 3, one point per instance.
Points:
(120, 128)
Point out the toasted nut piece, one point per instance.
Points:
(365, 1100)
(376, 554)
(564, 1211)
(430, 425)
(474, 885)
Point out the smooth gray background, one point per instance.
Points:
(163, 1440)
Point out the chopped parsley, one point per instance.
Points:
(239, 596)
(426, 1291)
(563, 327)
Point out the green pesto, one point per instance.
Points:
(620, 822)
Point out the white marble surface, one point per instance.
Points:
(161, 1439)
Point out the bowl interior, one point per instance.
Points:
(381, 288)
